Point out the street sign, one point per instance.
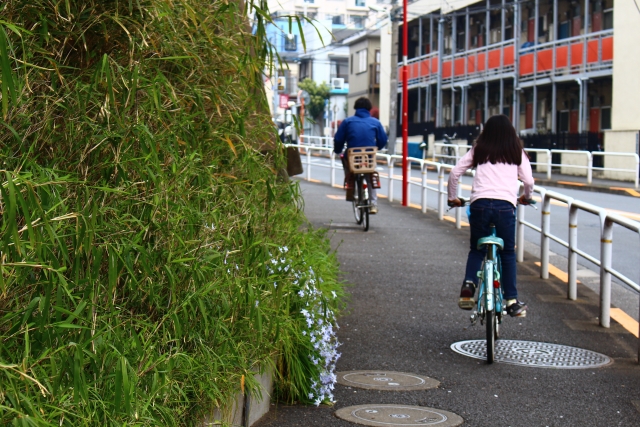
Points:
(284, 101)
(303, 94)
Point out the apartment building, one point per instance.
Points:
(547, 64)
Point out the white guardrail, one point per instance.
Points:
(607, 220)
(450, 153)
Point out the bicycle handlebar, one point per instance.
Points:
(466, 202)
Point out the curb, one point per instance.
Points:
(622, 191)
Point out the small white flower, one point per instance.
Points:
(257, 302)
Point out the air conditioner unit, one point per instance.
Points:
(337, 83)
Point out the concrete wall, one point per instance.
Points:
(626, 66)
(578, 159)
(621, 142)
(232, 413)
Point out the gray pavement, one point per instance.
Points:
(404, 277)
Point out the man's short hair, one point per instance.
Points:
(363, 102)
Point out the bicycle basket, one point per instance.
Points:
(362, 159)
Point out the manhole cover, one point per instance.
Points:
(385, 380)
(398, 415)
(535, 354)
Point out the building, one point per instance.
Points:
(324, 56)
(370, 67)
(547, 64)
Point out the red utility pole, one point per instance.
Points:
(405, 104)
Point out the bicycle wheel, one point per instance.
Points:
(365, 217)
(357, 191)
(490, 319)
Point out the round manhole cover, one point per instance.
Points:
(535, 354)
(385, 380)
(398, 415)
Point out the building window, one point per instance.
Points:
(360, 3)
(309, 1)
(310, 15)
(357, 21)
(362, 61)
(339, 69)
(605, 118)
(336, 19)
(290, 42)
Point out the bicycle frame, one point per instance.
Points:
(490, 295)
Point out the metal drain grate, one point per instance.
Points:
(534, 354)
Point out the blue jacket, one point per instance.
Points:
(360, 130)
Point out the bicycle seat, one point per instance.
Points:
(490, 240)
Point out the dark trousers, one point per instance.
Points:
(502, 214)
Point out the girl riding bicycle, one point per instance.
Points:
(500, 161)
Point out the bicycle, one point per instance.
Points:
(490, 307)
(448, 152)
(362, 161)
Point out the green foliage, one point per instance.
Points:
(318, 94)
(139, 213)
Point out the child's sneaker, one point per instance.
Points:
(468, 290)
(516, 308)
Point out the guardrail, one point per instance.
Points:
(607, 221)
(588, 164)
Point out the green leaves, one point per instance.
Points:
(138, 214)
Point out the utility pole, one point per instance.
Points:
(393, 101)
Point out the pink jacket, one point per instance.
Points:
(499, 181)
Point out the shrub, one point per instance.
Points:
(141, 215)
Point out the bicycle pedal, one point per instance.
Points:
(466, 303)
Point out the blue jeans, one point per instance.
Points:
(502, 214)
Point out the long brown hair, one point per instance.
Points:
(498, 143)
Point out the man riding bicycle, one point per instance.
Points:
(361, 130)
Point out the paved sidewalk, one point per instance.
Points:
(405, 274)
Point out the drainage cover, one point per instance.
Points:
(385, 380)
(398, 415)
(535, 354)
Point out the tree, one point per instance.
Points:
(318, 94)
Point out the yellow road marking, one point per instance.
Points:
(314, 180)
(335, 197)
(577, 184)
(555, 271)
(627, 322)
(628, 190)
(452, 219)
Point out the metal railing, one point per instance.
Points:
(588, 164)
(607, 221)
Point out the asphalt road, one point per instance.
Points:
(404, 277)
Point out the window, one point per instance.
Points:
(339, 69)
(309, 1)
(605, 118)
(290, 42)
(357, 21)
(360, 3)
(310, 15)
(336, 19)
(362, 61)
(608, 19)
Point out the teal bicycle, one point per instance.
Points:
(489, 306)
